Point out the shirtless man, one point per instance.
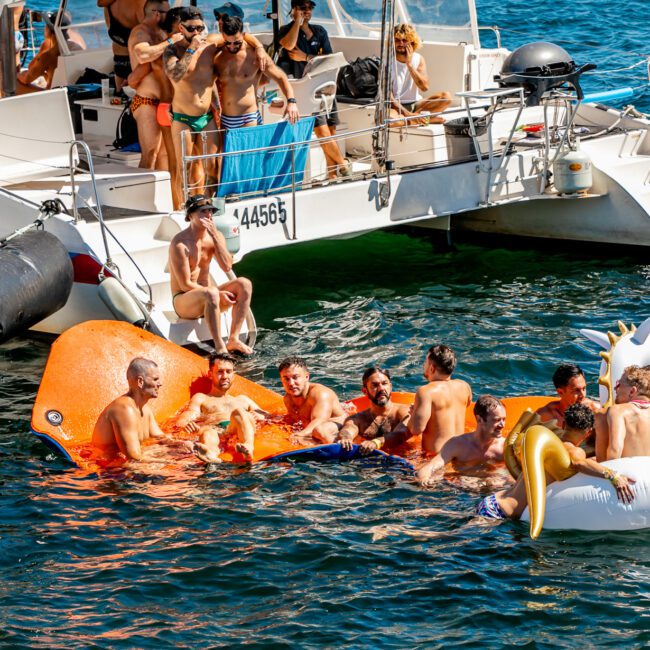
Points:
(571, 386)
(410, 80)
(579, 423)
(624, 430)
(128, 420)
(308, 402)
(121, 17)
(477, 449)
(218, 412)
(239, 75)
(439, 407)
(147, 43)
(190, 253)
(382, 424)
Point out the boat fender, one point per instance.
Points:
(572, 172)
(36, 280)
(120, 302)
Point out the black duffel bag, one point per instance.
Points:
(359, 79)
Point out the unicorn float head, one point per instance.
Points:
(629, 348)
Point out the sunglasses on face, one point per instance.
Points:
(234, 43)
(193, 28)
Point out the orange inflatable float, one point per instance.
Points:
(86, 370)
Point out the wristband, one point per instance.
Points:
(169, 41)
(379, 442)
(612, 476)
(189, 51)
(291, 100)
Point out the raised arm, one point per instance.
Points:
(419, 73)
(221, 253)
(145, 52)
(176, 67)
(290, 39)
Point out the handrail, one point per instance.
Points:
(109, 264)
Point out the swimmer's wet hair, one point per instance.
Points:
(579, 416)
(231, 25)
(139, 367)
(221, 356)
(565, 373)
(443, 358)
(638, 376)
(369, 372)
(485, 405)
(293, 360)
(190, 13)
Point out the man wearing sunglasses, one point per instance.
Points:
(147, 43)
(239, 75)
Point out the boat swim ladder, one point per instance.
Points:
(96, 211)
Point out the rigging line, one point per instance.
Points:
(22, 137)
(595, 47)
(629, 67)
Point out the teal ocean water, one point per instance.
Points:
(342, 554)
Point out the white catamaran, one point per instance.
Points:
(582, 173)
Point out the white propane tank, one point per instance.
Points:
(572, 172)
(227, 225)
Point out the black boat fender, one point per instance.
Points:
(36, 278)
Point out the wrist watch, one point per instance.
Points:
(291, 100)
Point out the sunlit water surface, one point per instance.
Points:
(313, 555)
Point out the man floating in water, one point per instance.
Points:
(482, 448)
(383, 423)
(440, 406)
(219, 413)
(128, 421)
(571, 386)
(624, 430)
(579, 423)
(310, 403)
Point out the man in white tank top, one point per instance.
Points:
(410, 80)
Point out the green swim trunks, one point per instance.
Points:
(224, 424)
(195, 122)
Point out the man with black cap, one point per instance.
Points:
(190, 254)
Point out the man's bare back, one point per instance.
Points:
(626, 430)
(439, 412)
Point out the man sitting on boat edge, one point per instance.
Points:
(128, 420)
(219, 413)
(190, 253)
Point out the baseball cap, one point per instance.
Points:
(51, 18)
(229, 9)
(196, 202)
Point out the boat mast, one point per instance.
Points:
(7, 50)
(382, 110)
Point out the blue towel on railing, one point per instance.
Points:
(262, 171)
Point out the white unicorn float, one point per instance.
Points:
(577, 501)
